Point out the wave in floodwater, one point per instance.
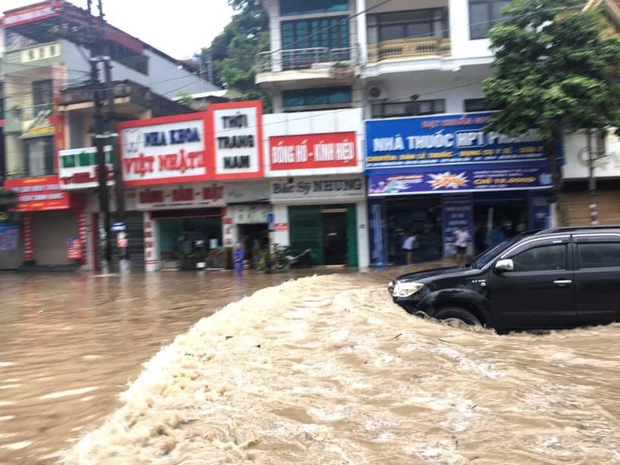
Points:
(326, 370)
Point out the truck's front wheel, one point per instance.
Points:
(455, 316)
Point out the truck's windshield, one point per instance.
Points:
(489, 255)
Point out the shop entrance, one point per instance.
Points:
(329, 231)
(420, 214)
(254, 238)
(499, 216)
(188, 238)
(335, 235)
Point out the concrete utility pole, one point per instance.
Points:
(119, 191)
(592, 178)
(105, 246)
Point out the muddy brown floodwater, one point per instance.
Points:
(70, 343)
(322, 370)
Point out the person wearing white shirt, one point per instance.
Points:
(461, 241)
(409, 245)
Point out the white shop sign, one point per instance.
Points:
(577, 158)
(236, 141)
(79, 168)
(166, 152)
(250, 214)
(332, 188)
(246, 192)
(187, 196)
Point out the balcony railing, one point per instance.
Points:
(304, 58)
(409, 48)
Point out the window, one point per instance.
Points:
(318, 32)
(545, 258)
(314, 41)
(475, 104)
(42, 92)
(400, 109)
(332, 96)
(599, 255)
(297, 7)
(483, 15)
(40, 156)
(408, 25)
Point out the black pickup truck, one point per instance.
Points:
(551, 279)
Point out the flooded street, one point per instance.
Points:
(70, 343)
(320, 370)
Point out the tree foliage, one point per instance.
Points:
(552, 71)
(233, 52)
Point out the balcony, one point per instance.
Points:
(409, 48)
(130, 98)
(32, 121)
(307, 64)
(27, 60)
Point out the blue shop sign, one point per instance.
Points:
(459, 179)
(444, 140)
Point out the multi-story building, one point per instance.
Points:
(415, 70)
(49, 109)
(2, 154)
(603, 164)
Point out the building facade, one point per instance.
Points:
(197, 180)
(576, 172)
(414, 72)
(317, 185)
(49, 109)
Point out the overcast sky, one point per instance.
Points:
(179, 28)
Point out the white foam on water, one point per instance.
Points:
(6, 364)
(7, 417)
(327, 371)
(9, 386)
(17, 445)
(69, 393)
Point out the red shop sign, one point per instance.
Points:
(38, 194)
(311, 151)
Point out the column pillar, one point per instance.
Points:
(151, 260)
(82, 237)
(27, 238)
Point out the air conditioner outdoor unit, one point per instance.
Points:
(377, 93)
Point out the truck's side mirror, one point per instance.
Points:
(504, 265)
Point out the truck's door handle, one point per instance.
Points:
(562, 282)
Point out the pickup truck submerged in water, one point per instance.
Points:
(551, 279)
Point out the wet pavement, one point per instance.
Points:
(321, 370)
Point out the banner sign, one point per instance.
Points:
(457, 213)
(38, 194)
(168, 150)
(312, 151)
(37, 12)
(237, 129)
(459, 180)
(166, 197)
(78, 168)
(318, 188)
(9, 236)
(443, 140)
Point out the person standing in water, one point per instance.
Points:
(239, 255)
(461, 241)
(409, 245)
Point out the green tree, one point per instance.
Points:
(233, 52)
(552, 72)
